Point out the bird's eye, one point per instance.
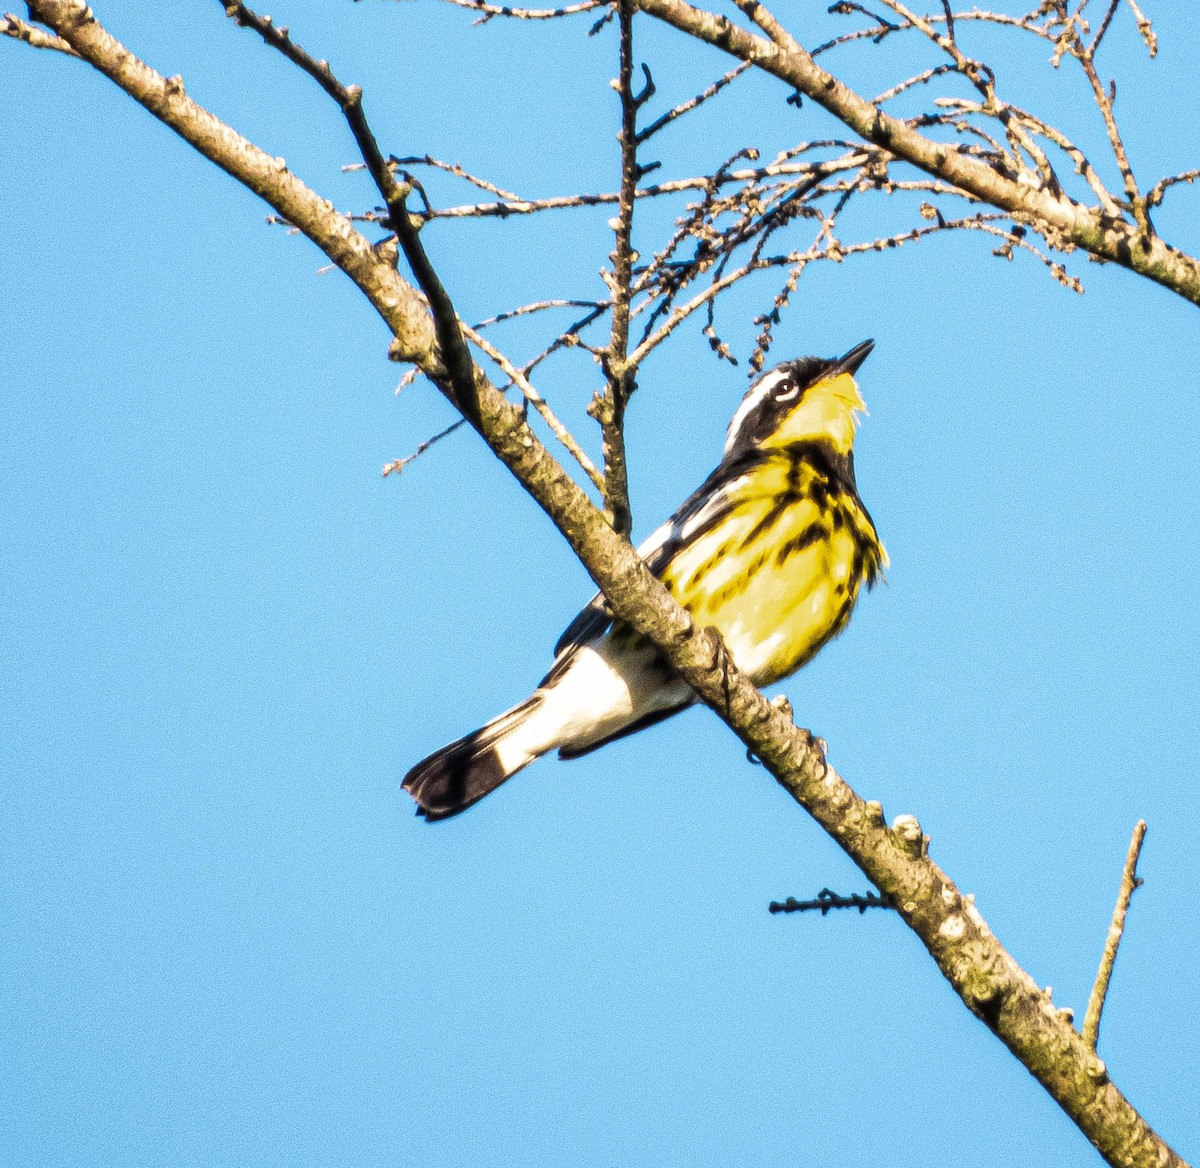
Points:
(787, 391)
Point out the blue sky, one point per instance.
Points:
(227, 637)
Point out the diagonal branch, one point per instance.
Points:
(1049, 212)
(37, 38)
(458, 369)
(1130, 882)
(398, 464)
(895, 859)
(1104, 103)
(539, 403)
(686, 107)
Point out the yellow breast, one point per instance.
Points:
(779, 574)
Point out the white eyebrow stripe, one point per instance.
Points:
(762, 390)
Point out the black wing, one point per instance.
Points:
(593, 620)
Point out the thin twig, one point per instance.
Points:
(398, 464)
(979, 75)
(1129, 881)
(451, 332)
(537, 306)
(838, 253)
(608, 406)
(1163, 185)
(459, 373)
(1104, 103)
(1082, 165)
(454, 168)
(949, 13)
(539, 403)
(491, 10)
(827, 900)
(911, 82)
(37, 38)
(983, 79)
(1145, 28)
(689, 105)
(876, 34)
(569, 337)
(512, 204)
(1105, 21)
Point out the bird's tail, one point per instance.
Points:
(451, 779)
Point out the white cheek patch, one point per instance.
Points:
(759, 393)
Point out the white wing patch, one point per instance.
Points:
(655, 540)
(677, 535)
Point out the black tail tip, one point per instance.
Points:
(455, 778)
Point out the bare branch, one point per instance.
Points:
(983, 79)
(895, 859)
(1129, 882)
(570, 337)
(651, 340)
(37, 38)
(1105, 21)
(398, 464)
(818, 252)
(1047, 211)
(539, 403)
(671, 187)
(919, 79)
(827, 900)
(538, 306)
(979, 76)
(459, 369)
(449, 329)
(1104, 103)
(1082, 166)
(458, 171)
(491, 10)
(693, 103)
(608, 406)
(1145, 28)
(1163, 185)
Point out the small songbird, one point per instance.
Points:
(772, 550)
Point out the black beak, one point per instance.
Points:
(852, 360)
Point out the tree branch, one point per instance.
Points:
(491, 10)
(827, 900)
(608, 407)
(894, 859)
(456, 368)
(535, 399)
(37, 38)
(398, 464)
(1051, 213)
(1129, 883)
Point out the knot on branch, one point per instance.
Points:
(985, 998)
(906, 830)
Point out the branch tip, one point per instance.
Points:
(1130, 882)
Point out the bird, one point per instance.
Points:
(772, 550)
